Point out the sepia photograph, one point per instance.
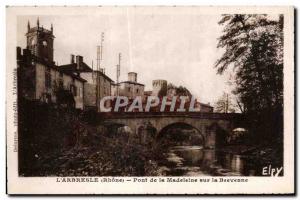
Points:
(152, 94)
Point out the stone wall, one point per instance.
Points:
(40, 81)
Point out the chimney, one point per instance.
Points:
(28, 26)
(72, 58)
(132, 76)
(79, 60)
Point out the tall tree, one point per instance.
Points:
(254, 50)
(180, 90)
(225, 104)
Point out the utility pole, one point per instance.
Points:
(97, 77)
(118, 73)
(98, 70)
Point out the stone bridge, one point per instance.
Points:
(206, 124)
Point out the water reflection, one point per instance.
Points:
(192, 155)
(197, 161)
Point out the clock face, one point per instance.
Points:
(44, 43)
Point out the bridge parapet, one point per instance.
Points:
(201, 115)
(206, 123)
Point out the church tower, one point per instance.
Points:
(40, 41)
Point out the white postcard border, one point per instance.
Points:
(48, 185)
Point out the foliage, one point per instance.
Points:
(57, 141)
(42, 129)
(225, 104)
(64, 97)
(180, 90)
(183, 91)
(254, 50)
(163, 90)
(176, 136)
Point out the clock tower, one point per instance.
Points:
(40, 41)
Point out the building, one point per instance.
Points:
(160, 88)
(38, 76)
(40, 42)
(114, 89)
(78, 67)
(98, 86)
(158, 85)
(131, 88)
(206, 107)
(147, 93)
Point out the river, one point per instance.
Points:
(198, 161)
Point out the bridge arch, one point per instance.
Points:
(184, 125)
(119, 130)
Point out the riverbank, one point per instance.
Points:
(106, 157)
(261, 155)
(56, 141)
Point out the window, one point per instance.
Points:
(80, 91)
(48, 78)
(128, 89)
(137, 90)
(73, 90)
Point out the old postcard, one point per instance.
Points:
(150, 100)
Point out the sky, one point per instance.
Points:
(180, 48)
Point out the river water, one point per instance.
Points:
(197, 161)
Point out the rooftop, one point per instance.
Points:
(41, 29)
(73, 67)
(131, 82)
(27, 55)
(104, 75)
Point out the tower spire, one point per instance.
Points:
(38, 22)
(28, 26)
(51, 28)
